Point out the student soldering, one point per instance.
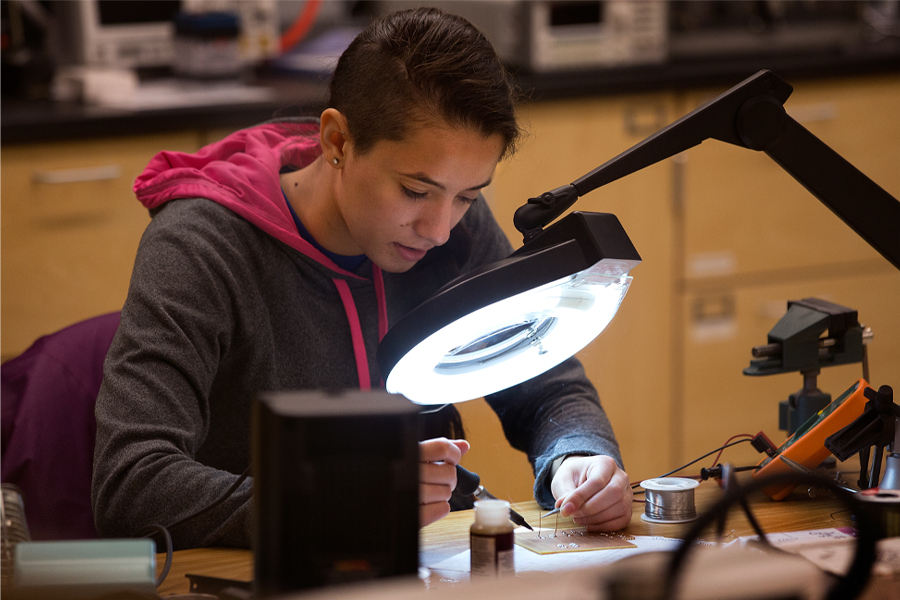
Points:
(276, 259)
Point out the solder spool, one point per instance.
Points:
(669, 500)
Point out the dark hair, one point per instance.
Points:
(422, 66)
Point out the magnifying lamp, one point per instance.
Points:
(514, 319)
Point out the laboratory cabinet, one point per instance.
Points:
(70, 230)
(727, 238)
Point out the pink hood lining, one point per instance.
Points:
(241, 172)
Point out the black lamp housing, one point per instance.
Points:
(575, 243)
(750, 115)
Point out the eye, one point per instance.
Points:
(467, 200)
(413, 194)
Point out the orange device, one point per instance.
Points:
(807, 445)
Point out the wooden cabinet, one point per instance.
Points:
(727, 238)
(754, 238)
(70, 230)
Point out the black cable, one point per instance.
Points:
(635, 485)
(145, 532)
(847, 587)
(167, 536)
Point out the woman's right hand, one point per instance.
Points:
(437, 476)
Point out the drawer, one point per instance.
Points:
(70, 230)
(744, 214)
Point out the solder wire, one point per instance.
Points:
(670, 505)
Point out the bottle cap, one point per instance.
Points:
(491, 512)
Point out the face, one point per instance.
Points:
(401, 199)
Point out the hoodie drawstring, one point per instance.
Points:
(359, 345)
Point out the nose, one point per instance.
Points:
(435, 221)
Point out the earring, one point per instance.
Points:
(335, 161)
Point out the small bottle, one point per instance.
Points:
(491, 539)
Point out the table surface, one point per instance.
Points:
(450, 536)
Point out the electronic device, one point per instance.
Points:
(324, 464)
(567, 35)
(877, 429)
(133, 34)
(70, 569)
(114, 33)
(545, 35)
(806, 447)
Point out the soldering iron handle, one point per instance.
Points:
(467, 482)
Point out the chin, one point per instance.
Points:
(398, 266)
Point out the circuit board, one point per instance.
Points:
(552, 541)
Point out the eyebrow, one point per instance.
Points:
(425, 179)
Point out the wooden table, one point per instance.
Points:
(449, 536)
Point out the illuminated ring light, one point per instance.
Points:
(512, 320)
(490, 349)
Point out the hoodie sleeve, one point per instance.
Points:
(153, 410)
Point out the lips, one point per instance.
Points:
(409, 254)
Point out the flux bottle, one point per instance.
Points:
(491, 540)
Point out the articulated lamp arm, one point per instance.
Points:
(750, 115)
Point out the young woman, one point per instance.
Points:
(278, 257)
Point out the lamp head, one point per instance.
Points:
(514, 319)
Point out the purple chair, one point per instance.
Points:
(48, 426)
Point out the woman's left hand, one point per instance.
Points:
(594, 491)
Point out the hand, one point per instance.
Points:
(437, 476)
(594, 491)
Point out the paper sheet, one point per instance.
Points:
(527, 561)
(832, 549)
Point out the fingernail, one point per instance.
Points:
(568, 509)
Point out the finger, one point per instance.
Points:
(463, 446)
(612, 519)
(580, 479)
(429, 513)
(430, 492)
(574, 504)
(439, 473)
(608, 516)
(617, 490)
(441, 450)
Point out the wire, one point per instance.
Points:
(167, 536)
(847, 587)
(638, 484)
(301, 25)
(145, 532)
(734, 437)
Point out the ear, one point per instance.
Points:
(333, 136)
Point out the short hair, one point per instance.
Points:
(423, 66)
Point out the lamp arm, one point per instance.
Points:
(751, 115)
(857, 200)
(712, 120)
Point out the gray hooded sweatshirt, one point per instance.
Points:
(227, 300)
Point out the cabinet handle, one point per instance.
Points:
(104, 173)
